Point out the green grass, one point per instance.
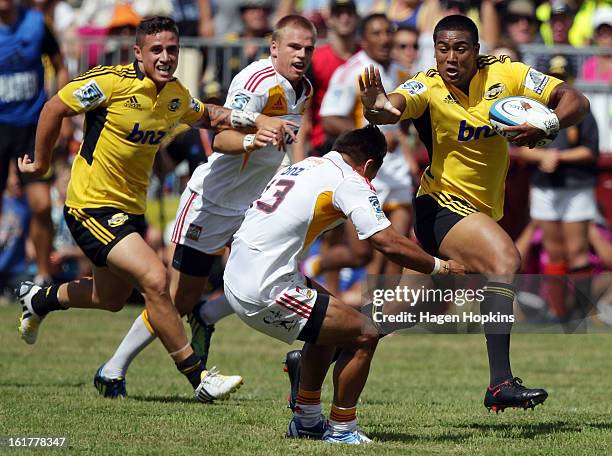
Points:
(423, 396)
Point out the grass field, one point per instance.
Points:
(423, 396)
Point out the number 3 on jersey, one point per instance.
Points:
(282, 186)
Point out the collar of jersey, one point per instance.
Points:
(336, 157)
(139, 74)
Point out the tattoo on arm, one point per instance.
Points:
(216, 117)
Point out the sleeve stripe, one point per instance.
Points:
(260, 78)
(254, 76)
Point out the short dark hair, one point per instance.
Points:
(295, 20)
(153, 25)
(363, 144)
(369, 18)
(457, 22)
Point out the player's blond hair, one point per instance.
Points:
(293, 20)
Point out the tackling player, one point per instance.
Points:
(298, 205)
(462, 190)
(128, 110)
(212, 206)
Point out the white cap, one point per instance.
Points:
(601, 16)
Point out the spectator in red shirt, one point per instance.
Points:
(342, 43)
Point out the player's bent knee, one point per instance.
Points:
(506, 262)
(111, 298)
(367, 343)
(115, 307)
(155, 282)
(110, 303)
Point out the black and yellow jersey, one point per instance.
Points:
(126, 119)
(467, 158)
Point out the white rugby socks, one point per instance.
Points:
(138, 337)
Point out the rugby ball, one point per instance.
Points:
(516, 110)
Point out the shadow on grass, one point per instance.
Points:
(603, 426)
(415, 438)
(502, 430)
(527, 430)
(165, 399)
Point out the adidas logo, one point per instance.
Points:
(449, 99)
(133, 103)
(279, 104)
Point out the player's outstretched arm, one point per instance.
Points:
(233, 142)
(379, 108)
(403, 251)
(47, 132)
(220, 118)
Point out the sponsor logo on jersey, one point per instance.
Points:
(535, 81)
(240, 101)
(276, 106)
(139, 136)
(306, 292)
(174, 104)
(413, 87)
(133, 103)
(468, 132)
(195, 106)
(494, 91)
(117, 220)
(450, 99)
(193, 232)
(89, 95)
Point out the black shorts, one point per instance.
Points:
(436, 214)
(193, 262)
(312, 328)
(96, 231)
(16, 142)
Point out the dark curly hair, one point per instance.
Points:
(153, 25)
(363, 144)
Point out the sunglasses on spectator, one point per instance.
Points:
(414, 46)
(511, 18)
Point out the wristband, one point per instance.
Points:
(549, 123)
(436, 267)
(248, 142)
(243, 119)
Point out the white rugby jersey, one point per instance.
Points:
(232, 182)
(299, 204)
(343, 99)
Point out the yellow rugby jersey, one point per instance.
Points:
(125, 122)
(467, 158)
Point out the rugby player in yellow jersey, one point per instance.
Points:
(461, 194)
(128, 110)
